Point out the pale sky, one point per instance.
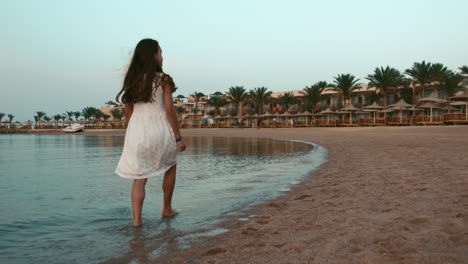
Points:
(65, 55)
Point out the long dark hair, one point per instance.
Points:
(141, 73)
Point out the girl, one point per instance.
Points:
(152, 137)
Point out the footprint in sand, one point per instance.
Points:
(302, 197)
(249, 231)
(279, 245)
(262, 222)
(215, 251)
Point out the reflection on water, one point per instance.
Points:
(62, 203)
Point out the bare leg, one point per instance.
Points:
(168, 189)
(138, 196)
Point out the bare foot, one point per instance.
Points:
(168, 212)
(137, 223)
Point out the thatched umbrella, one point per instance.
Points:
(327, 112)
(429, 105)
(305, 113)
(267, 115)
(374, 107)
(401, 106)
(286, 115)
(459, 103)
(17, 123)
(350, 109)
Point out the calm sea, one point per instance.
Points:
(62, 203)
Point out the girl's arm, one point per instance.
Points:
(168, 89)
(128, 112)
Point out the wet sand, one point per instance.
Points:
(386, 195)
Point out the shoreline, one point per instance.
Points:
(108, 131)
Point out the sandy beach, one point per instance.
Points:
(386, 195)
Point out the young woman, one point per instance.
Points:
(152, 138)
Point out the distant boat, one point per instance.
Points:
(73, 128)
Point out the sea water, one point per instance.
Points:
(61, 201)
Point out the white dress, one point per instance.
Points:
(149, 148)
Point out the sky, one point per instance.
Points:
(58, 56)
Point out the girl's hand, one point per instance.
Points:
(181, 145)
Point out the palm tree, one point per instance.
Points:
(179, 110)
(10, 119)
(260, 96)
(451, 82)
(287, 99)
(105, 116)
(47, 118)
(69, 115)
(438, 71)
(464, 70)
(324, 84)
(57, 117)
(237, 95)
(312, 95)
(77, 115)
(384, 79)
(374, 97)
(346, 83)
(117, 114)
(90, 112)
(2, 115)
(98, 114)
(406, 93)
(40, 115)
(197, 97)
(217, 101)
(421, 73)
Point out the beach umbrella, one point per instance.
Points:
(350, 109)
(286, 115)
(374, 107)
(460, 103)
(267, 115)
(429, 105)
(401, 106)
(327, 112)
(305, 113)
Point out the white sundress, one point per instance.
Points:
(149, 148)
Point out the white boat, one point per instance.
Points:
(73, 128)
